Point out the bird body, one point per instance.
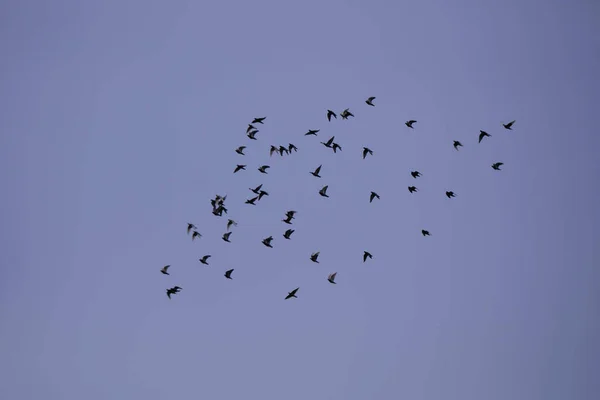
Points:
(312, 132)
(366, 151)
(457, 144)
(263, 168)
(323, 191)
(497, 166)
(331, 277)
(410, 123)
(373, 195)
(228, 274)
(314, 257)
(239, 167)
(509, 125)
(370, 101)
(267, 241)
(164, 269)
(204, 260)
(226, 237)
(316, 171)
(288, 233)
(292, 294)
(483, 134)
(366, 255)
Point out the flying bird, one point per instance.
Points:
(190, 226)
(366, 151)
(410, 123)
(267, 241)
(228, 273)
(261, 194)
(164, 269)
(173, 290)
(291, 213)
(483, 134)
(450, 194)
(252, 134)
(239, 167)
(335, 147)
(312, 132)
(288, 233)
(346, 113)
(367, 255)
(240, 150)
(289, 216)
(273, 150)
(204, 260)
(323, 191)
(256, 189)
(250, 128)
(259, 120)
(226, 237)
(330, 114)
(412, 189)
(509, 125)
(370, 101)
(373, 195)
(292, 147)
(316, 171)
(231, 223)
(457, 144)
(425, 233)
(331, 277)
(283, 150)
(497, 166)
(196, 234)
(292, 293)
(329, 142)
(415, 174)
(263, 169)
(315, 256)
(252, 200)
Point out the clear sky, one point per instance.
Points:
(119, 121)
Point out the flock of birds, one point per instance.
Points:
(218, 203)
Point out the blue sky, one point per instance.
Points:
(119, 122)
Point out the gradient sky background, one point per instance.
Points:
(119, 120)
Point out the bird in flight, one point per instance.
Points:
(292, 294)
(226, 237)
(346, 113)
(497, 166)
(314, 257)
(273, 150)
(323, 191)
(331, 277)
(164, 269)
(259, 120)
(366, 151)
(288, 233)
(240, 150)
(196, 234)
(457, 144)
(415, 174)
(335, 147)
(289, 216)
(250, 128)
(173, 290)
(261, 194)
(312, 132)
(267, 241)
(483, 134)
(412, 189)
(367, 255)
(256, 190)
(252, 134)
(373, 195)
(331, 114)
(450, 194)
(292, 147)
(252, 201)
(231, 223)
(204, 260)
(425, 233)
(228, 273)
(509, 125)
(263, 169)
(239, 167)
(370, 101)
(329, 142)
(316, 171)
(410, 123)
(190, 226)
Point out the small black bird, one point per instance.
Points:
(196, 234)
(239, 167)
(316, 171)
(288, 233)
(330, 114)
(483, 134)
(410, 123)
(204, 260)
(250, 128)
(329, 142)
(497, 166)
(190, 226)
(373, 195)
(256, 189)
(267, 241)
(273, 150)
(335, 147)
(228, 273)
(457, 144)
(315, 256)
(261, 194)
(366, 151)
(415, 174)
(370, 101)
(331, 277)
(240, 150)
(292, 294)
(312, 132)
(252, 134)
(252, 200)
(292, 147)
(425, 233)
(509, 125)
(263, 169)
(283, 150)
(412, 189)
(164, 269)
(259, 120)
(367, 255)
(323, 191)
(450, 194)
(346, 113)
(226, 237)
(230, 223)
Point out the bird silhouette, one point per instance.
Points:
(312, 132)
(331, 114)
(415, 174)
(239, 167)
(367, 255)
(292, 294)
(204, 260)
(314, 257)
(497, 166)
(509, 125)
(366, 151)
(226, 237)
(373, 195)
(370, 101)
(425, 233)
(323, 191)
(267, 241)
(196, 234)
(457, 144)
(190, 226)
(228, 273)
(329, 142)
(288, 233)
(263, 169)
(450, 194)
(240, 150)
(412, 189)
(164, 269)
(259, 120)
(252, 201)
(231, 223)
(410, 123)
(331, 277)
(483, 134)
(316, 171)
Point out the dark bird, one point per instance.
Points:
(250, 128)
(412, 189)
(373, 195)
(259, 120)
(292, 147)
(415, 174)
(329, 142)
(425, 233)
(240, 150)
(291, 213)
(263, 169)
(323, 191)
(239, 167)
(228, 273)
(283, 150)
(370, 101)
(312, 132)
(204, 260)
(483, 134)
(267, 241)
(261, 194)
(509, 125)
(256, 189)
(315, 256)
(331, 277)
(173, 290)
(450, 194)
(330, 114)
(410, 123)
(273, 150)
(231, 223)
(289, 216)
(288, 233)
(190, 227)
(218, 211)
(316, 171)
(226, 237)
(252, 134)
(367, 255)
(196, 234)
(346, 113)
(164, 269)
(457, 144)
(497, 166)
(252, 200)
(366, 151)
(292, 294)
(335, 147)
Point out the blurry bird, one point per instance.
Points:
(288, 220)
(173, 290)
(288, 233)
(226, 237)
(335, 147)
(366, 151)
(228, 273)
(410, 123)
(239, 167)
(412, 189)
(252, 200)
(450, 194)
(292, 294)
(331, 277)
(370, 101)
(457, 144)
(196, 234)
(329, 142)
(323, 191)
(164, 269)
(240, 150)
(291, 213)
(190, 226)
(312, 132)
(250, 128)
(367, 255)
(315, 256)
(273, 150)
(231, 223)
(373, 195)
(415, 174)
(256, 189)
(330, 114)
(283, 150)
(263, 169)
(292, 147)
(267, 241)
(509, 125)
(316, 171)
(497, 166)
(261, 194)
(252, 134)
(259, 120)
(204, 259)
(483, 134)
(425, 233)
(346, 113)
